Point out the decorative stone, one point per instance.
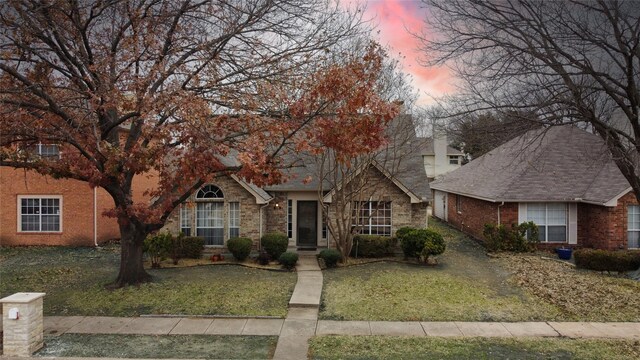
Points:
(22, 336)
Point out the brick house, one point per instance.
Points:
(39, 210)
(397, 195)
(561, 178)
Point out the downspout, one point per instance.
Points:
(499, 206)
(95, 216)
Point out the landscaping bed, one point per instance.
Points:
(75, 278)
(159, 347)
(388, 347)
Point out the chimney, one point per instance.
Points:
(440, 151)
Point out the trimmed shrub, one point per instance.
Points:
(606, 260)
(414, 241)
(191, 247)
(275, 244)
(403, 231)
(518, 238)
(240, 247)
(330, 257)
(158, 247)
(288, 259)
(263, 258)
(372, 246)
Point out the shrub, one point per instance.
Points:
(263, 258)
(158, 247)
(414, 242)
(372, 246)
(434, 245)
(330, 257)
(403, 231)
(288, 259)
(605, 260)
(191, 247)
(518, 238)
(240, 247)
(275, 244)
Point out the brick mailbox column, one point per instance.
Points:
(22, 335)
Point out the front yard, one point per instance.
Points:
(388, 347)
(467, 285)
(74, 280)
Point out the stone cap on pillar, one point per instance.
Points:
(22, 297)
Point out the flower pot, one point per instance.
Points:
(564, 254)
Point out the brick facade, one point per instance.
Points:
(598, 226)
(233, 192)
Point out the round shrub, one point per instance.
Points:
(239, 247)
(275, 244)
(330, 257)
(434, 245)
(413, 243)
(191, 247)
(288, 259)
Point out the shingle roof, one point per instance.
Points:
(402, 159)
(562, 163)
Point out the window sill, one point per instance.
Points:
(39, 233)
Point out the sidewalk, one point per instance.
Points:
(304, 320)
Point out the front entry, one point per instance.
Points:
(307, 224)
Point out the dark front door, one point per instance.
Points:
(307, 224)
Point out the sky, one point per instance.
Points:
(396, 20)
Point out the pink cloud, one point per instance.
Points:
(397, 21)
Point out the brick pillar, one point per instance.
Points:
(22, 336)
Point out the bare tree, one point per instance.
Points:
(170, 88)
(564, 61)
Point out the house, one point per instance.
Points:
(440, 158)
(561, 178)
(396, 194)
(40, 210)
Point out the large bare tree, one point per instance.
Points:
(563, 61)
(131, 88)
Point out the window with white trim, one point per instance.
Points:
(372, 217)
(40, 214)
(633, 226)
(290, 219)
(186, 219)
(551, 219)
(210, 215)
(234, 219)
(453, 160)
(45, 150)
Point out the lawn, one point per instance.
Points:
(467, 285)
(75, 278)
(387, 347)
(159, 347)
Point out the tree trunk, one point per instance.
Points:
(131, 265)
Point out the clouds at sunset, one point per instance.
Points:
(396, 20)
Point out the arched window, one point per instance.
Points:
(209, 192)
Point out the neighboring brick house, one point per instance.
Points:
(39, 210)
(561, 178)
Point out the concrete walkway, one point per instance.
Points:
(302, 318)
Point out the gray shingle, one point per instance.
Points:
(562, 163)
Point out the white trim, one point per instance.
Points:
(36, 196)
(573, 224)
(614, 202)
(629, 229)
(522, 213)
(229, 218)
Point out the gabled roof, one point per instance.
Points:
(562, 163)
(401, 161)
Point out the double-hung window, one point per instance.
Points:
(551, 219)
(234, 219)
(633, 226)
(210, 215)
(372, 217)
(40, 213)
(186, 219)
(290, 219)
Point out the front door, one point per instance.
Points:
(307, 224)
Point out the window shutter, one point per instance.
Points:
(573, 223)
(522, 213)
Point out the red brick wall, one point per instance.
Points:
(604, 227)
(77, 208)
(472, 214)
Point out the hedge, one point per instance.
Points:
(373, 246)
(606, 260)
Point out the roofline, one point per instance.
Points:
(610, 203)
(415, 199)
(259, 199)
(614, 202)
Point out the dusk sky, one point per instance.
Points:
(393, 18)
